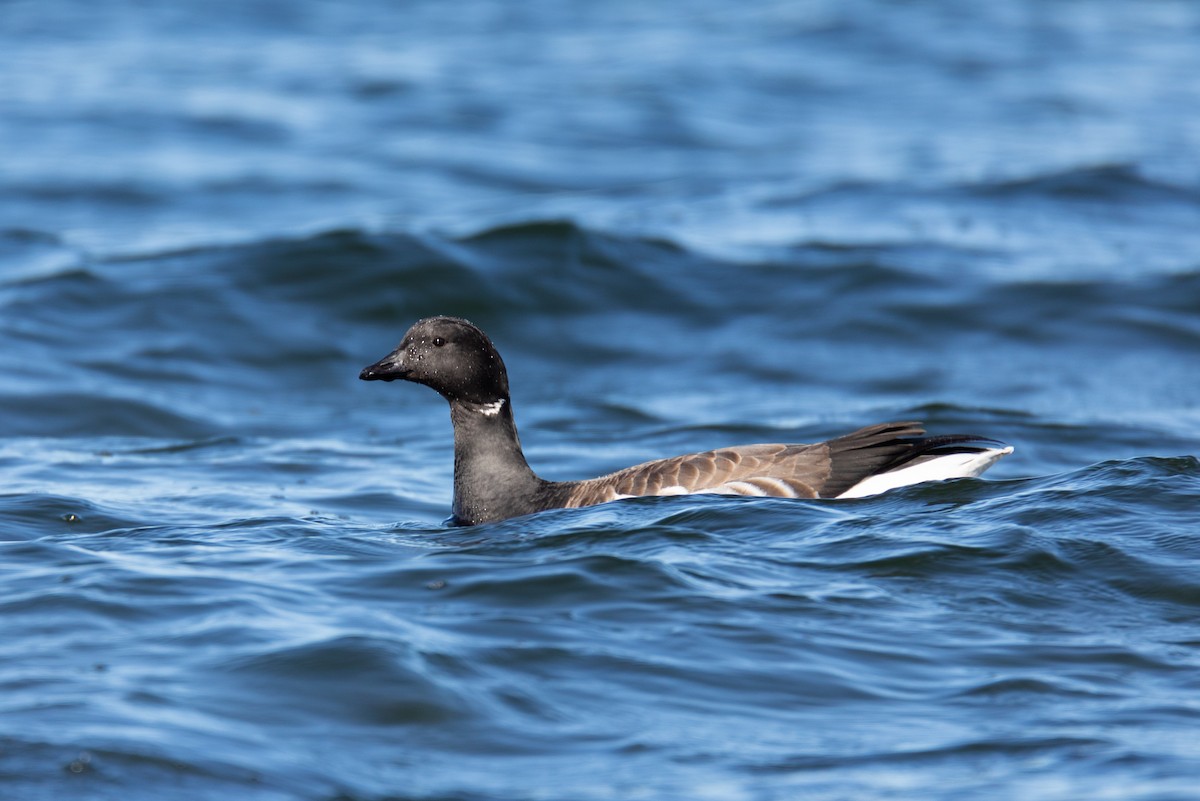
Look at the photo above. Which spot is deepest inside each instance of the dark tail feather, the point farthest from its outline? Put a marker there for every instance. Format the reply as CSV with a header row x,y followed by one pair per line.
x,y
889,446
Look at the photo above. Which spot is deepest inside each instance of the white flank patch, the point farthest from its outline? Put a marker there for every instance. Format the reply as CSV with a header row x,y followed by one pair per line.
x,y
492,409
781,488
742,488
952,465
672,490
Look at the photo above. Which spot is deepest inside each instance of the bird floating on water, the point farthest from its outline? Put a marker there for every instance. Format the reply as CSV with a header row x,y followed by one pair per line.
x,y
492,480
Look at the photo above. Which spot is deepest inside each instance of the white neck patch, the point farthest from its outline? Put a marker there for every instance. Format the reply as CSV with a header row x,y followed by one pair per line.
x,y
492,409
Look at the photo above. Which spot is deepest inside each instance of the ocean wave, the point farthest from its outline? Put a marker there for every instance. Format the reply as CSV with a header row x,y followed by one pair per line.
x,y
511,638
278,299
1117,182
86,414
28,516
371,680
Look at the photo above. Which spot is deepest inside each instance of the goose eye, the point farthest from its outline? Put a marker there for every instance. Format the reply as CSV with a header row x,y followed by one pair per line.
x,y
438,342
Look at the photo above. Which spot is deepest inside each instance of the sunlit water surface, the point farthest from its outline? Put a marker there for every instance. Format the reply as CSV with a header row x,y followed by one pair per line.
x,y
225,568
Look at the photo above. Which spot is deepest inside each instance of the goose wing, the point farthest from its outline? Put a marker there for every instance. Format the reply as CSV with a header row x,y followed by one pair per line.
x,y
821,470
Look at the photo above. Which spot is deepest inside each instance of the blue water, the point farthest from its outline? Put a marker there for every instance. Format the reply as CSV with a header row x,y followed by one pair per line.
x,y
225,571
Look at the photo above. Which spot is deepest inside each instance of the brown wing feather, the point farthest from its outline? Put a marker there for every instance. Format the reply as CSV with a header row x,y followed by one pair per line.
x,y
825,469
782,470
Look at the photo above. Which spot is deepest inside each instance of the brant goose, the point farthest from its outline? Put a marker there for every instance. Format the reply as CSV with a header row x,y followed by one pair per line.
x,y
492,480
